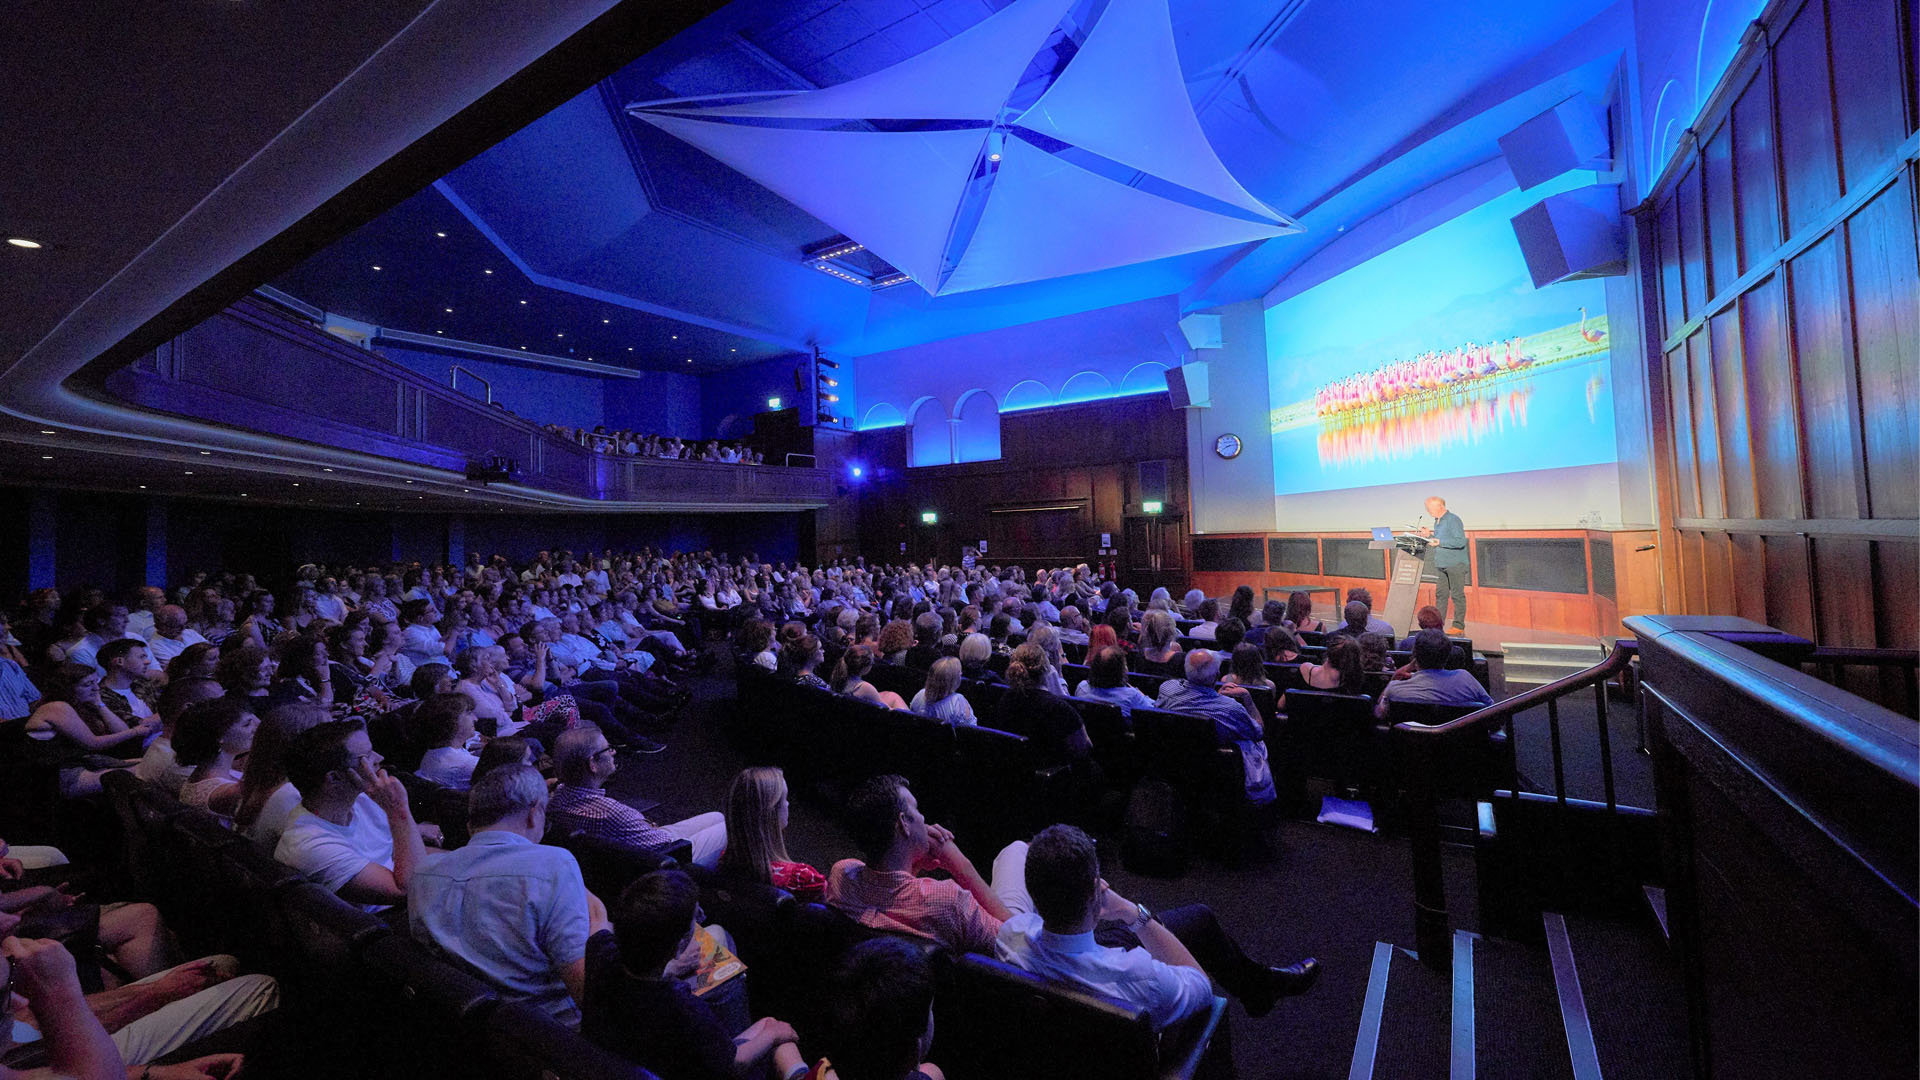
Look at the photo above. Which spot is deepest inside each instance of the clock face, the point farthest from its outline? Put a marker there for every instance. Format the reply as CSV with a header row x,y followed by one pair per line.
x,y
1227,446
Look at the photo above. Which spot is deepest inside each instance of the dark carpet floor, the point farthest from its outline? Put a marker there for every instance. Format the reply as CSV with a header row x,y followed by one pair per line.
x,y
1320,891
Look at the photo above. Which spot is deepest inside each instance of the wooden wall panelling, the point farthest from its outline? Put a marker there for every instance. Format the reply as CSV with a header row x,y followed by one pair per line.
x,y
1749,569
1693,242
1730,411
1789,585
1773,409
1843,590
1686,460
1804,112
1693,585
1706,425
1756,182
1835,482
1868,99
1723,247
1716,570
1672,294
1637,573
1896,584
1885,275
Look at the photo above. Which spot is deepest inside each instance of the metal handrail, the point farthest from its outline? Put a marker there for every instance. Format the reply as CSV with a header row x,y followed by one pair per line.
x,y
1426,744
453,375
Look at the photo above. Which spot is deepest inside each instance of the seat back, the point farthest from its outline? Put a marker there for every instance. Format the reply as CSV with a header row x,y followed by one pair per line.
x,y
143,811
436,1020
437,803
1075,674
524,1043
1470,770
983,696
996,795
1114,746
608,868
999,1021
1327,735
899,678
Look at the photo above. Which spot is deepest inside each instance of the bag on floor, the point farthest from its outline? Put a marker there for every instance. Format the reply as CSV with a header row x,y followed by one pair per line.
x,y
1153,841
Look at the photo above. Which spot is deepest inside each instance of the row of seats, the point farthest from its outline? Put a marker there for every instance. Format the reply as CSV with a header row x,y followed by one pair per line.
x,y
358,995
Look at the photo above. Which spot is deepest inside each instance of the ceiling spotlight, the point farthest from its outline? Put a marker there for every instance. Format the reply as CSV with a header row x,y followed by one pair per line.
x,y
47,431
409,481
733,350
449,311
604,322
523,303
484,272
993,157
23,242
46,457
296,483
629,348
143,487
439,331
206,453
441,235
188,472
689,359
376,268
243,494
676,337
559,335
326,470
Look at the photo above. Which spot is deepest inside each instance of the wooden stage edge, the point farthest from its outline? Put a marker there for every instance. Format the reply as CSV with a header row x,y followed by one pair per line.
x,y
1628,583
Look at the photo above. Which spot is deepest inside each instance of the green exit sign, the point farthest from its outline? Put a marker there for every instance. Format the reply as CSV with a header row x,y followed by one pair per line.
x,y
928,517
1152,507
773,403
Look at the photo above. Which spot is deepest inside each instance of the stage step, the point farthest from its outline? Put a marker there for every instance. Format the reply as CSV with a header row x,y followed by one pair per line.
x,y
1530,664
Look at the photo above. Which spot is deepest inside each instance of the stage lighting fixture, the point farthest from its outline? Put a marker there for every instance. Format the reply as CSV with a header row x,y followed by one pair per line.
x,y
858,472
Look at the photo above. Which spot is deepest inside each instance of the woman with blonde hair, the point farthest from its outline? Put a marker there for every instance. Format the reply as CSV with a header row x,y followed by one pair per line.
x,y
756,836
1160,652
940,698
1048,640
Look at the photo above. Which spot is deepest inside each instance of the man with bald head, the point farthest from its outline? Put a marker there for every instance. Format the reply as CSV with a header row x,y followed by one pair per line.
x,y
1235,718
1449,561
171,635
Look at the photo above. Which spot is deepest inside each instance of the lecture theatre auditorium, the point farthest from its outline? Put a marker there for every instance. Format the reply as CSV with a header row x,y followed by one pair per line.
x,y
960,540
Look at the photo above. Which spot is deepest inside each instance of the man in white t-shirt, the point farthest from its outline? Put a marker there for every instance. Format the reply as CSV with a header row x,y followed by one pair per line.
x,y
147,601
354,832
420,640
171,635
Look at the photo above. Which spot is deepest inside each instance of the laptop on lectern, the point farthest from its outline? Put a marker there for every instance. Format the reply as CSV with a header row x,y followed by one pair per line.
x,y
1382,536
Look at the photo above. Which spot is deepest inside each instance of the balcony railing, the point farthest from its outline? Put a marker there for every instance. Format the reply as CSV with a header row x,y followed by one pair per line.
x,y
253,368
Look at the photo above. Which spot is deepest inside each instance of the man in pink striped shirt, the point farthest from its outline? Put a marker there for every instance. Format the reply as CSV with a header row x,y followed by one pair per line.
x,y
963,913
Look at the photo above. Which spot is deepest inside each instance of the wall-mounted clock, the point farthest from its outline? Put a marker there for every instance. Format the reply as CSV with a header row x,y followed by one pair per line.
x,y
1228,446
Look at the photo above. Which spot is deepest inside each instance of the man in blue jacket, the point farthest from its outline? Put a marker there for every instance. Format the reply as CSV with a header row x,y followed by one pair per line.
x,y
1449,561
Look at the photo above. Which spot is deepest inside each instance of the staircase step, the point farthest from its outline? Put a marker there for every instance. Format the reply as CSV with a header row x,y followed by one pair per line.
x,y
1582,1053
1536,650
1657,901
1636,1001
1516,1021
1416,1026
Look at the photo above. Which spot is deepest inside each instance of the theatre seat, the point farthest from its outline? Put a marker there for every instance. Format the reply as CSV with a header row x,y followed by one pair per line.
x,y
435,1022
999,1021
902,680
1327,736
608,868
523,1043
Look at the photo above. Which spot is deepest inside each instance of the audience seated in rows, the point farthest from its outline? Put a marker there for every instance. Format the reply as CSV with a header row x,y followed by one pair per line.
x,y
1235,719
585,761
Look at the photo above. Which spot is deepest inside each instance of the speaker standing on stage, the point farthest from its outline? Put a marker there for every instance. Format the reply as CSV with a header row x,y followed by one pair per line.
x,y
1449,561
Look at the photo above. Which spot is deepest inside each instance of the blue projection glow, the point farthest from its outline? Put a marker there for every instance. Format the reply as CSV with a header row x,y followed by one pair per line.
x,y
1439,359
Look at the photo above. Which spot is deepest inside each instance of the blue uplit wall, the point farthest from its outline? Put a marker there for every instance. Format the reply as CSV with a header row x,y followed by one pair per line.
x,y
1111,352
1682,48
730,399
658,403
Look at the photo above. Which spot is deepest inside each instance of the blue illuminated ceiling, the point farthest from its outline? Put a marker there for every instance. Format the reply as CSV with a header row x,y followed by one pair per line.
x,y
621,237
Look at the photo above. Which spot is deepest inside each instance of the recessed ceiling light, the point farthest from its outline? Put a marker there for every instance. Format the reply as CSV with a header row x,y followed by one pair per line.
x,y
603,322
296,483
440,234
993,157
439,331
629,348
23,242
143,487
419,496
326,470
484,272
733,350
559,335
188,472
409,481
449,311
206,453
523,348
467,490
47,431
523,302
46,457
243,494
376,268
689,359
676,337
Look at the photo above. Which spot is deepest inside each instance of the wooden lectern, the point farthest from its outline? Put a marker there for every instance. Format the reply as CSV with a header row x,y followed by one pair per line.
x,y
1408,564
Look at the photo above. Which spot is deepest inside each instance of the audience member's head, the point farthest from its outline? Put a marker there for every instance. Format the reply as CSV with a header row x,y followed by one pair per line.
x,y
245,669
755,636
1107,668
181,693
320,759
442,720
975,650
430,679
1373,652
926,628
1026,667
1280,642
943,679
882,813
756,824
1356,614
513,797
205,729
1157,632
123,657
878,1010
1343,656
1299,607
653,918
1241,605
1063,877
1203,667
581,756
1249,664
896,637
1362,594
1431,649
266,767
499,753
1428,618
1228,634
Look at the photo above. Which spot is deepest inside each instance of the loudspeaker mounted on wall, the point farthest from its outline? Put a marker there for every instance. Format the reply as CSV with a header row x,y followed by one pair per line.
x,y
1188,386
1573,235
1202,331
1571,135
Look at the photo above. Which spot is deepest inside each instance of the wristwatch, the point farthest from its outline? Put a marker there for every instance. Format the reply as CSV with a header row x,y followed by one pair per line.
x,y
1144,915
